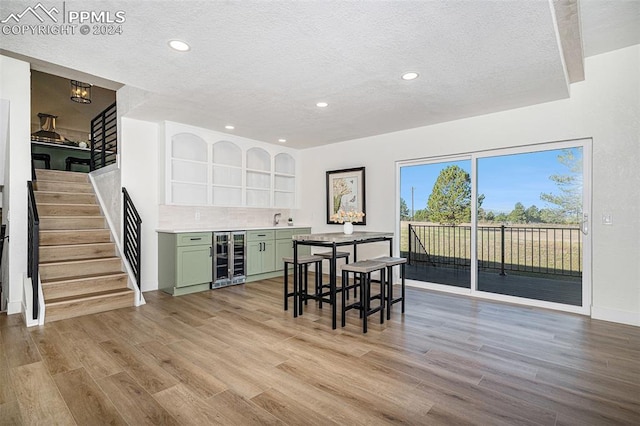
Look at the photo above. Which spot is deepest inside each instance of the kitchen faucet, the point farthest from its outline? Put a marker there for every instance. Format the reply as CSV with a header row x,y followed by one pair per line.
x,y
276,219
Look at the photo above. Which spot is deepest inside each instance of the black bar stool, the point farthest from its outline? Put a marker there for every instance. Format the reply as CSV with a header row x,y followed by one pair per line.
x,y
299,294
46,158
364,269
339,255
75,160
390,262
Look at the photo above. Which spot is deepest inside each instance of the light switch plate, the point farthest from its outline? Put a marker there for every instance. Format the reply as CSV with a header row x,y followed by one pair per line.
x,y
607,219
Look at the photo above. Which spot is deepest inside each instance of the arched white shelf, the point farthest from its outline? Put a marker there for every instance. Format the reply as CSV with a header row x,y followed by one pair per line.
x,y
189,169
258,179
226,188
216,169
284,180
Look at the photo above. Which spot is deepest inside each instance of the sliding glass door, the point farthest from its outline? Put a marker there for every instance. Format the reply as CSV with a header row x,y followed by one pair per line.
x,y
436,221
505,224
530,235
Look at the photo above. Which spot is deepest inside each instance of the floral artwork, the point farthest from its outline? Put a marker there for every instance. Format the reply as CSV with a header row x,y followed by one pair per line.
x,y
345,196
342,216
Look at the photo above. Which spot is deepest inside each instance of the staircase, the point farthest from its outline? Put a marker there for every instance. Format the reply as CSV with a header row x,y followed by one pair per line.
x,y
79,268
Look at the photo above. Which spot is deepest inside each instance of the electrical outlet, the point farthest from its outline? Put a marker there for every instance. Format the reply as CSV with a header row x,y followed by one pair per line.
x,y
607,219
197,215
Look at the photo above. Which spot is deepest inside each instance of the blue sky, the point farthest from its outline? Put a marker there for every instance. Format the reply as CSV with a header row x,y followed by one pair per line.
x,y
504,180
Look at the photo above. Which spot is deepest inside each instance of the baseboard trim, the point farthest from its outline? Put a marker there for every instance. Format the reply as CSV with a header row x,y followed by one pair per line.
x,y
615,315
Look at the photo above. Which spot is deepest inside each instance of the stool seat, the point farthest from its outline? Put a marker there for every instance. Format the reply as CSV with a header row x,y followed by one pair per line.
x,y
328,254
364,266
391,261
300,292
303,259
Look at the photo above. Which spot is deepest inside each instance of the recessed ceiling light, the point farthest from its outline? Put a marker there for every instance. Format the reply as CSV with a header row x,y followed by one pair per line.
x,y
180,46
322,104
282,140
229,127
410,75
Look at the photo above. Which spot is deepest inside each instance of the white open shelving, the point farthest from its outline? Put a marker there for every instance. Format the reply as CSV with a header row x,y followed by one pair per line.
x,y
225,172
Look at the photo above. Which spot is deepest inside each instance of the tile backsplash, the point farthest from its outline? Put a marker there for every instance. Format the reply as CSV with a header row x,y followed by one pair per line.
x,y
194,217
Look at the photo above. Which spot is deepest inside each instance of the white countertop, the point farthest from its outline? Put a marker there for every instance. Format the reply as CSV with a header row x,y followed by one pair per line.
x,y
227,228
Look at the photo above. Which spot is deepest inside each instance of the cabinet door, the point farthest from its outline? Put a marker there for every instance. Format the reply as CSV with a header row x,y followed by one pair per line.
x,y
193,265
269,256
284,248
254,257
261,256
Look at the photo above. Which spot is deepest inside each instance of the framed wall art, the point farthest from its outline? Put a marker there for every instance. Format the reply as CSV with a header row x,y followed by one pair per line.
x,y
346,193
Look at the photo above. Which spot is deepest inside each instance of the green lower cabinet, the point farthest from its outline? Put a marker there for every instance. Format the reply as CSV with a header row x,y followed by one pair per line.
x,y
194,266
261,257
184,262
284,248
266,248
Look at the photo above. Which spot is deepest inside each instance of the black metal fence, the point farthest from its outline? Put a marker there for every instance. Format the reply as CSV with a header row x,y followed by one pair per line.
x,y
33,248
132,235
104,138
538,250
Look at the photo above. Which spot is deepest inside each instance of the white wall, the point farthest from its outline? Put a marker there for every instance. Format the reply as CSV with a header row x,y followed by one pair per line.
x,y
107,184
4,138
139,166
606,107
15,86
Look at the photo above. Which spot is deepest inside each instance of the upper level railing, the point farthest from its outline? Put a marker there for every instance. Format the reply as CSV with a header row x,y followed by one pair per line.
x,y
104,138
529,249
33,248
132,235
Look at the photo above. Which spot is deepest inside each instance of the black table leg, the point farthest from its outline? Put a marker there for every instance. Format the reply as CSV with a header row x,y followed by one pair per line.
x,y
295,279
332,289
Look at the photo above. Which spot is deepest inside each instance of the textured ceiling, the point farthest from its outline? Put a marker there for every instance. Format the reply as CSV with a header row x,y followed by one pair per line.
x,y
262,66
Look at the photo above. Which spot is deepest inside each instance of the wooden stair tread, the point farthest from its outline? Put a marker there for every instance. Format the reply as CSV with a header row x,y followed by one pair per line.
x,y
49,172
95,259
85,259
63,210
66,204
87,245
58,178
63,237
62,231
70,217
91,296
44,191
84,277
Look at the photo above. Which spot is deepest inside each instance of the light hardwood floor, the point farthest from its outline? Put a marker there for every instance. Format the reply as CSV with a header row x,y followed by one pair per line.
x,y
232,356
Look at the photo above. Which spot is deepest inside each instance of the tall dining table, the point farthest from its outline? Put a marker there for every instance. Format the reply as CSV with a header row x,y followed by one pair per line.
x,y
333,240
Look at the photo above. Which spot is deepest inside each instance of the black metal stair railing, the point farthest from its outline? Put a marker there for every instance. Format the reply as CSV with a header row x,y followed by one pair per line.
x,y
33,248
132,235
104,138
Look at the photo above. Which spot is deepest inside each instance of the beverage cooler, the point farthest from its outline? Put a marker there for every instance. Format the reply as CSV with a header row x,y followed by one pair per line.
x,y
229,258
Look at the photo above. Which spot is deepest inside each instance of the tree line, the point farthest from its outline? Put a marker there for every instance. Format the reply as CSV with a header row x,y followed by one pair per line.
x,y
450,200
